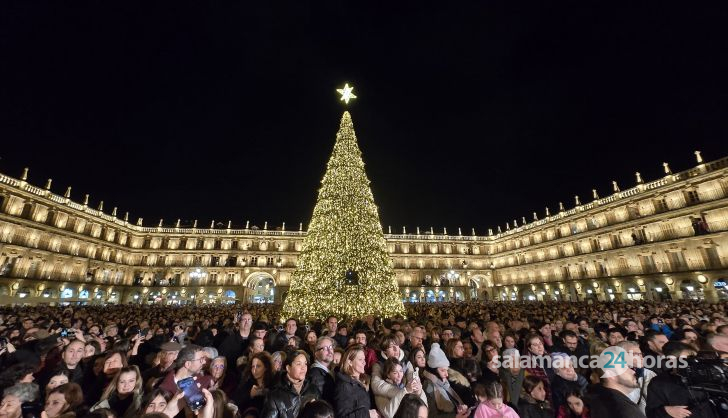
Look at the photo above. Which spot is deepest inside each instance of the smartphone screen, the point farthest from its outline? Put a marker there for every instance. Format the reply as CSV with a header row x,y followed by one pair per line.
x,y
193,395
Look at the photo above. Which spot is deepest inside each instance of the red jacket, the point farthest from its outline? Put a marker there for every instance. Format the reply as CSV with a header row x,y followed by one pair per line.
x,y
170,386
371,357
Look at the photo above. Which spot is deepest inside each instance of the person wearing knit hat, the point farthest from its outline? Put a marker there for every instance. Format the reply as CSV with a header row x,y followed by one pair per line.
x,y
441,396
437,359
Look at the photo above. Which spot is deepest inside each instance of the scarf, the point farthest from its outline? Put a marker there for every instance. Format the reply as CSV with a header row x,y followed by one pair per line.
x,y
446,398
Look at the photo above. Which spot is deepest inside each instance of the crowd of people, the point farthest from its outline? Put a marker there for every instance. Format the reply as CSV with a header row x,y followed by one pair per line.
x,y
449,360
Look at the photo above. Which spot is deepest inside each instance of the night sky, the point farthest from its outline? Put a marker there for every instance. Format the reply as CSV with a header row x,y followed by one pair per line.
x,y
468,114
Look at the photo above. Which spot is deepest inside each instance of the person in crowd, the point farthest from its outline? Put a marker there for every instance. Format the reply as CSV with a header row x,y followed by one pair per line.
x,y
418,360
320,373
490,397
512,375
282,338
653,341
574,407
533,402
537,362
237,342
360,337
309,345
610,398
15,396
667,395
165,362
71,356
331,331
317,409
489,363
256,382
124,394
388,396
64,400
510,339
455,352
293,390
565,380
544,330
17,373
615,336
155,401
390,349
412,406
351,394
570,344
189,363
220,377
57,379
644,376
442,398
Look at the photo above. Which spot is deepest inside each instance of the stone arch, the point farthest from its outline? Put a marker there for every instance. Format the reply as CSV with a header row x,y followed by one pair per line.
x,y
260,287
692,289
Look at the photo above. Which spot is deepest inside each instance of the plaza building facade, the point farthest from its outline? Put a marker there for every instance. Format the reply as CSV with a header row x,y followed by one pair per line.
x,y
656,240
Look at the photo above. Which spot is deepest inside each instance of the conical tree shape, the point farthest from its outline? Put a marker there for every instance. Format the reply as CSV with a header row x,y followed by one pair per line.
x,y
344,235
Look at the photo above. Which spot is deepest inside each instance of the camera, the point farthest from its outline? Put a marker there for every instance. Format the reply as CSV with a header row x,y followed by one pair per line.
x,y
64,332
705,369
3,342
706,377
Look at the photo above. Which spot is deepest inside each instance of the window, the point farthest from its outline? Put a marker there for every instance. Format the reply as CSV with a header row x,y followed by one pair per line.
x,y
254,260
231,261
215,261
269,261
692,197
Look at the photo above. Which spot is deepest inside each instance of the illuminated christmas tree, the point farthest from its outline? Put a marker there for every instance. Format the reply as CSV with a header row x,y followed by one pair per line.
x,y
344,268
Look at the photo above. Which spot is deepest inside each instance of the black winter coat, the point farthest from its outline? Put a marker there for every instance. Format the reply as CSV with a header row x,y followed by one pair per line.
x,y
323,381
351,399
283,401
528,409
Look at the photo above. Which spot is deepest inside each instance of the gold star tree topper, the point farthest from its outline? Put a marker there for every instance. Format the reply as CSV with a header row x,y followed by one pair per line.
x,y
346,93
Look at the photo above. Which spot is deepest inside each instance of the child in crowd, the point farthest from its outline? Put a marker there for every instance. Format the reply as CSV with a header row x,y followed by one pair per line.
x,y
491,402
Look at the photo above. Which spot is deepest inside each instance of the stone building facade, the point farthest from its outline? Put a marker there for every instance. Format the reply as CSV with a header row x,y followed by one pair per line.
x,y
663,239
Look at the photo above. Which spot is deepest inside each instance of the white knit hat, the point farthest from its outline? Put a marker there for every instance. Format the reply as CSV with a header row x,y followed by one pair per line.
x,y
437,359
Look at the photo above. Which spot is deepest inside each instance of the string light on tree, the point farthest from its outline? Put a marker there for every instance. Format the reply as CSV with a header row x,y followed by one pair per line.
x,y
344,268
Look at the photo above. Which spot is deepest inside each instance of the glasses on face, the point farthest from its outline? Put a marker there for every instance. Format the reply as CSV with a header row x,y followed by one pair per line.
x,y
219,367
201,359
326,348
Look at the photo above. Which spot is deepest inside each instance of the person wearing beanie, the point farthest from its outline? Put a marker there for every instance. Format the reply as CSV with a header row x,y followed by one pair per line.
x,y
442,398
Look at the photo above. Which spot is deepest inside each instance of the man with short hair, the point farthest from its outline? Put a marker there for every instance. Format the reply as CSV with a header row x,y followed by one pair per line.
x,y
644,376
611,397
235,344
511,374
289,331
320,374
190,362
332,326
615,336
652,350
370,356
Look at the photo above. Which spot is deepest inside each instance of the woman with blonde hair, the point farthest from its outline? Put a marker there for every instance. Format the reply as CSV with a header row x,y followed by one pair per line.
x,y
124,394
351,396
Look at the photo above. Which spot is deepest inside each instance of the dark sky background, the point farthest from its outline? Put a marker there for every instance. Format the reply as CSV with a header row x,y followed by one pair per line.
x,y
469,114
